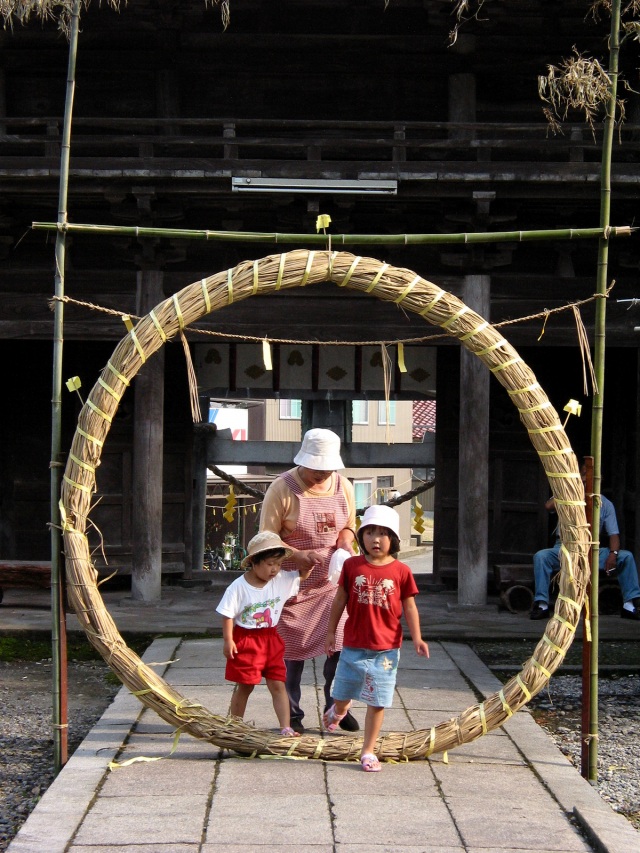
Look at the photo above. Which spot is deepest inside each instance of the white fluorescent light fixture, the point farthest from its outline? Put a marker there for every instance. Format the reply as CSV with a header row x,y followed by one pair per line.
x,y
313,186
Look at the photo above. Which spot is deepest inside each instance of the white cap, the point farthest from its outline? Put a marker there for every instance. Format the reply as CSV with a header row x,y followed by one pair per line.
x,y
264,541
381,516
320,451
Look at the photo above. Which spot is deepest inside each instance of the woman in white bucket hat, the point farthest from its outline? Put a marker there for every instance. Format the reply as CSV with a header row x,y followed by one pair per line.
x,y
312,508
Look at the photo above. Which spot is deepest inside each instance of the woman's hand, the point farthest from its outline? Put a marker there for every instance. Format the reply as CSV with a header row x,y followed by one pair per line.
x,y
345,540
306,560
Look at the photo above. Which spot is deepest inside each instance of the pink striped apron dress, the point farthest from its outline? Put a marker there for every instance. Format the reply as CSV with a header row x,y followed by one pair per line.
x,y
304,619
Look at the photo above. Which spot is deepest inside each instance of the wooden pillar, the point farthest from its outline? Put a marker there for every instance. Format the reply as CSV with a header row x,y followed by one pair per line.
x,y
147,457
462,88
328,414
635,543
473,477
462,98
3,100
199,495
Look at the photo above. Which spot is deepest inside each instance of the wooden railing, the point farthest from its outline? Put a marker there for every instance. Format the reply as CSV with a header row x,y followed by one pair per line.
x,y
241,140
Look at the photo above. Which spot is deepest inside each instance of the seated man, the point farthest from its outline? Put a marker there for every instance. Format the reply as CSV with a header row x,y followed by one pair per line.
x,y
613,561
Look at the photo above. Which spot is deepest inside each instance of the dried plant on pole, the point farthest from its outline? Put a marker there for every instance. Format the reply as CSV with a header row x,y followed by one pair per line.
x,y
21,11
579,83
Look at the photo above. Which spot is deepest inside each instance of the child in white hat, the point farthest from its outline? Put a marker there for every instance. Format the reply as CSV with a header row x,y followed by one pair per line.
x,y
250,609
376,588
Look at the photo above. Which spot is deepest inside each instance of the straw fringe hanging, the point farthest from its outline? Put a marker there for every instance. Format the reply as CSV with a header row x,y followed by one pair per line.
x,y
401,286
585,351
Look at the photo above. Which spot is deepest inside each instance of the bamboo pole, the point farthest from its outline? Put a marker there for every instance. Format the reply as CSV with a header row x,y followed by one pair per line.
x,y
58,627
339,239
585,716
599,364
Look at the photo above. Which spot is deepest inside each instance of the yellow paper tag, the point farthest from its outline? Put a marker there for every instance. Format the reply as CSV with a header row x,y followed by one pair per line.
x,y
323,221
401,365
266,355
74,383
573,407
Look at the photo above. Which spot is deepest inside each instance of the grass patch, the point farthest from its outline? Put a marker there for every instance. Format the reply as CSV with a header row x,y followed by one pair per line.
x,y
37,647
611,652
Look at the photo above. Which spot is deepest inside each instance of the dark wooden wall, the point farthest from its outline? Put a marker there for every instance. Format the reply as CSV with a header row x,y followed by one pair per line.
x,y
519,525
25,451
168,108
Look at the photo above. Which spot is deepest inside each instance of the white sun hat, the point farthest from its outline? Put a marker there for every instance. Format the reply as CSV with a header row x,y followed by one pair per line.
x,y
320,451
381,516
264,541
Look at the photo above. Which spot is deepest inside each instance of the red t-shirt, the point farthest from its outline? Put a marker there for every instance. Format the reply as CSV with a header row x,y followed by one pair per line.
x,y
375,596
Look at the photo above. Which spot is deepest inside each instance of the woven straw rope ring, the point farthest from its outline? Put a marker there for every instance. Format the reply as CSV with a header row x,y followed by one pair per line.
x,y
277,272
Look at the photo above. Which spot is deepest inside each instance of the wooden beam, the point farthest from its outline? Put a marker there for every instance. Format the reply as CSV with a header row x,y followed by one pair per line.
x,y
222,450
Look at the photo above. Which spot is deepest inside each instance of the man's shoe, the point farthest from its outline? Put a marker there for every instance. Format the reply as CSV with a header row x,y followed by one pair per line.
x,y
630,614
296,725
540,611
349,723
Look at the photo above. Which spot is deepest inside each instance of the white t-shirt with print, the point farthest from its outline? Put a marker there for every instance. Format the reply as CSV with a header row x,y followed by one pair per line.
x,y
250,607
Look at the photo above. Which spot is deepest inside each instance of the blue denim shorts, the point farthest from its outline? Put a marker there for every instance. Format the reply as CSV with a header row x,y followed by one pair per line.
x,y
367,675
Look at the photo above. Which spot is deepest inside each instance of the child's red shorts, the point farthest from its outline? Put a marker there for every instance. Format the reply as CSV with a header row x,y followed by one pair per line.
x,y
260,653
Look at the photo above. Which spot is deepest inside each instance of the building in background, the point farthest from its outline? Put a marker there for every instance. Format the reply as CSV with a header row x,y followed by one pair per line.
x,y
178,124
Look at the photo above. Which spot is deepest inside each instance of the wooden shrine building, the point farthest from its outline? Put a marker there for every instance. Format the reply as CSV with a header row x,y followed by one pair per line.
x,y
354,110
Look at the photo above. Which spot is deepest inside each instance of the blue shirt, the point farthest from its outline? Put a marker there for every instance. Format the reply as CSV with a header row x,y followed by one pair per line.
x,y
608,519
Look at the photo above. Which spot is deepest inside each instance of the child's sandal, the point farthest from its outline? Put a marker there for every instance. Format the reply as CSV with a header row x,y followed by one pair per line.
x,y
369,763
331,718
287,731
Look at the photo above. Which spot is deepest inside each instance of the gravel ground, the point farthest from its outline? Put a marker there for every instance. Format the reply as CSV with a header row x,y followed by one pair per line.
x,y
558,711
26,757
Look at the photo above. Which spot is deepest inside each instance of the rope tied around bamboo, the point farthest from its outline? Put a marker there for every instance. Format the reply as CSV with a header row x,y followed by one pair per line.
x,y
437,307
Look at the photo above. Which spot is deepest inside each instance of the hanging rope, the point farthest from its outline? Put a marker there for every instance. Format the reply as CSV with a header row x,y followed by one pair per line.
x,y
387,367
585,351
256,493
196,413
545,314
233,481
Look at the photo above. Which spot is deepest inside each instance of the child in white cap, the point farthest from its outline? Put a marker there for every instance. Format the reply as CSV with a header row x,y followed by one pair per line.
x,y
250,609
376,588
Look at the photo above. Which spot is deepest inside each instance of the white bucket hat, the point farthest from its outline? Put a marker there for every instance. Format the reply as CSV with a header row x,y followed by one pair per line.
x,y
381,516
320,451
264,541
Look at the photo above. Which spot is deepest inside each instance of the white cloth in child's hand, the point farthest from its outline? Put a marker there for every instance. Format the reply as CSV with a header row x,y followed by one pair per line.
x,y
335,565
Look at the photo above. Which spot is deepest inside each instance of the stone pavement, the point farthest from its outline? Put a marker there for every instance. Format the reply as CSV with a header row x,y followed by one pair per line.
x,y
512,790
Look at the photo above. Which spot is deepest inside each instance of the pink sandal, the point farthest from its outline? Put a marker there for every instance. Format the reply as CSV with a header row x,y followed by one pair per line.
x,y
370,763
287,731
331,718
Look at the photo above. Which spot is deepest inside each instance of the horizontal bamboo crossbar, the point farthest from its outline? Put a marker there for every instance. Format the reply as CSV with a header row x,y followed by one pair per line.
x,y
339,239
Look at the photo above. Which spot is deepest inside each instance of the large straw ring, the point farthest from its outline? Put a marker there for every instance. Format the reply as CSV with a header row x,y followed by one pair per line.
x,y
278,272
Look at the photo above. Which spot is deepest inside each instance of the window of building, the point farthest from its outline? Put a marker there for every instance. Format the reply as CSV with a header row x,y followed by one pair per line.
x,y
382,412
362,490
360,411
290,410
